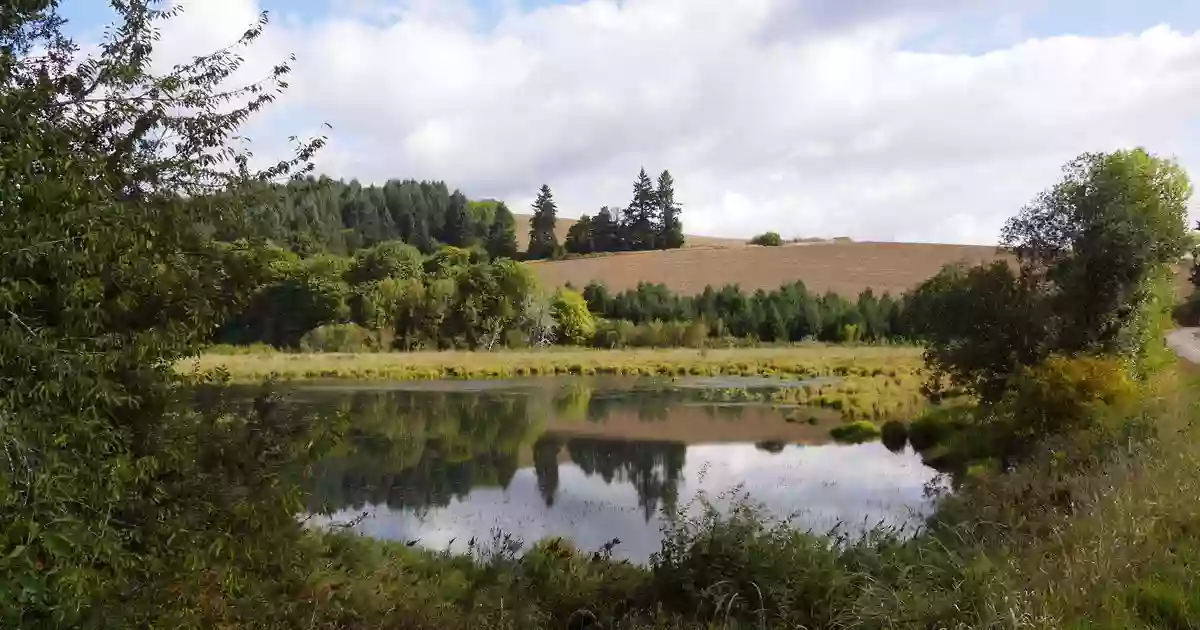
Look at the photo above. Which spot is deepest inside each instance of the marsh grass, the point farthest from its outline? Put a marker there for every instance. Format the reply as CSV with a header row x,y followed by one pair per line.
x,y
873,392
804,361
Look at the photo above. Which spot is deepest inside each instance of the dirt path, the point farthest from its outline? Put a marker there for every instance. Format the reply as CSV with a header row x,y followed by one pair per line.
x,y
1185,343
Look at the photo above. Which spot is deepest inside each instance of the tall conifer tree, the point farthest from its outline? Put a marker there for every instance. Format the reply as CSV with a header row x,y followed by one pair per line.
x,y
542,240
502,236
670,227
640,216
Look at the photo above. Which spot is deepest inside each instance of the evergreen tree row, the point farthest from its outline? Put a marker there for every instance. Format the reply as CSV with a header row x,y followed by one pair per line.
x,y
650,221
789,313
321,214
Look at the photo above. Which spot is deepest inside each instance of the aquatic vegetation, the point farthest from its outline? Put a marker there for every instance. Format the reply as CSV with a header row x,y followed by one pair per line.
x,y
855,432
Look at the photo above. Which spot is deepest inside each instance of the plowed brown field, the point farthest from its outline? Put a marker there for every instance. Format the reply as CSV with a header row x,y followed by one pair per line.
x,y
845,268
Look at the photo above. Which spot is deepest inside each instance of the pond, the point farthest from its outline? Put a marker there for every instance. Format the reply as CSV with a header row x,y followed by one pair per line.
x,y
591,459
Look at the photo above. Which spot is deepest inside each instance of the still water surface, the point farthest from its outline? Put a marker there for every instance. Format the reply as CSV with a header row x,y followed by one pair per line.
x,y
590,459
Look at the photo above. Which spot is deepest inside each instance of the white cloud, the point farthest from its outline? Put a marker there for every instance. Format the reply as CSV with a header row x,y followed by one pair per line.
x,y
841,131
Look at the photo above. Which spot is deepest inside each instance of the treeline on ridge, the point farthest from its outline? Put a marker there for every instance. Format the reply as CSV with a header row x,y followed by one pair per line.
x,y
310,215
317,214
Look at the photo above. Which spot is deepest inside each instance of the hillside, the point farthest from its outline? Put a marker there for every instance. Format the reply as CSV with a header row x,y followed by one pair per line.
x,y
845,268
562,225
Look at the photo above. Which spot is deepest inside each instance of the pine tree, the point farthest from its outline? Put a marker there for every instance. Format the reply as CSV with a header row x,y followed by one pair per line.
x,y
502,237
670,227
542,240
639,220
581,238
459,229
606,235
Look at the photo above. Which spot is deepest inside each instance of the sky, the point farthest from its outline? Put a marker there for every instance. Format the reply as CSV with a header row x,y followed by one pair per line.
x,y
887,120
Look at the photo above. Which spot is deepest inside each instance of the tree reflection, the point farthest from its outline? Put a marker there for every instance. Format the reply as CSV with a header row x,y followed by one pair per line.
x,y
422,449
654,469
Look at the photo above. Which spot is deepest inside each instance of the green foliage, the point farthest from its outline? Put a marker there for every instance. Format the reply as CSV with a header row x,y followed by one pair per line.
x,y
938,425
980,324
575,323
119,505
789,313
894,435
1098,238
640,219
1095,253
670,227
581,237
747,567
1188,313
390,259
502,235
339,338
652,221
1061,396
768,239
1166,605
855,432
543,243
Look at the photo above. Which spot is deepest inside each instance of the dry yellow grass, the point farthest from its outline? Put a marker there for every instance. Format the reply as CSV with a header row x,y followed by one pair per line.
x,y
846,268
806,360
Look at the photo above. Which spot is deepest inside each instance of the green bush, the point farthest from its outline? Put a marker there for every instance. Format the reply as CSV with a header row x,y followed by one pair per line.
x,y
1063,395
768,239
936,426
747,567
895,435
340,338
575,323
855,432
515,339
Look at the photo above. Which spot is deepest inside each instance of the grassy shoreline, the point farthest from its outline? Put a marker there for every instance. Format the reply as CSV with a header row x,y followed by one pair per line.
x,y
798,361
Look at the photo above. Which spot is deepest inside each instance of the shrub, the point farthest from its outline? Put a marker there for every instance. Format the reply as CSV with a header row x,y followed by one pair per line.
x,y
1188,313
937,426
855,432
514,338
745,566
895,435
768,239
614,333
696,334
339,338
575,323
1061,396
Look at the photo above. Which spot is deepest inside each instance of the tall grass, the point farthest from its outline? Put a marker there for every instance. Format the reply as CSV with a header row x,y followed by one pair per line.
x,y
797,361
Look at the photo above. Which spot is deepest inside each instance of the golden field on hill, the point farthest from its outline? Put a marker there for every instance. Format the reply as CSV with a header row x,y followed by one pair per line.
x,y
846,268
562,225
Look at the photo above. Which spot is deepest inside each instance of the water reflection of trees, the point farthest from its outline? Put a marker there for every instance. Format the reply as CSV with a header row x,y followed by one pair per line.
x,y
654,469
421,449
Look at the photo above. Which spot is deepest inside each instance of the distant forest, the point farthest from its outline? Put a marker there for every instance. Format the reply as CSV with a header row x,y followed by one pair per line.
x,y
413,265
322,215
